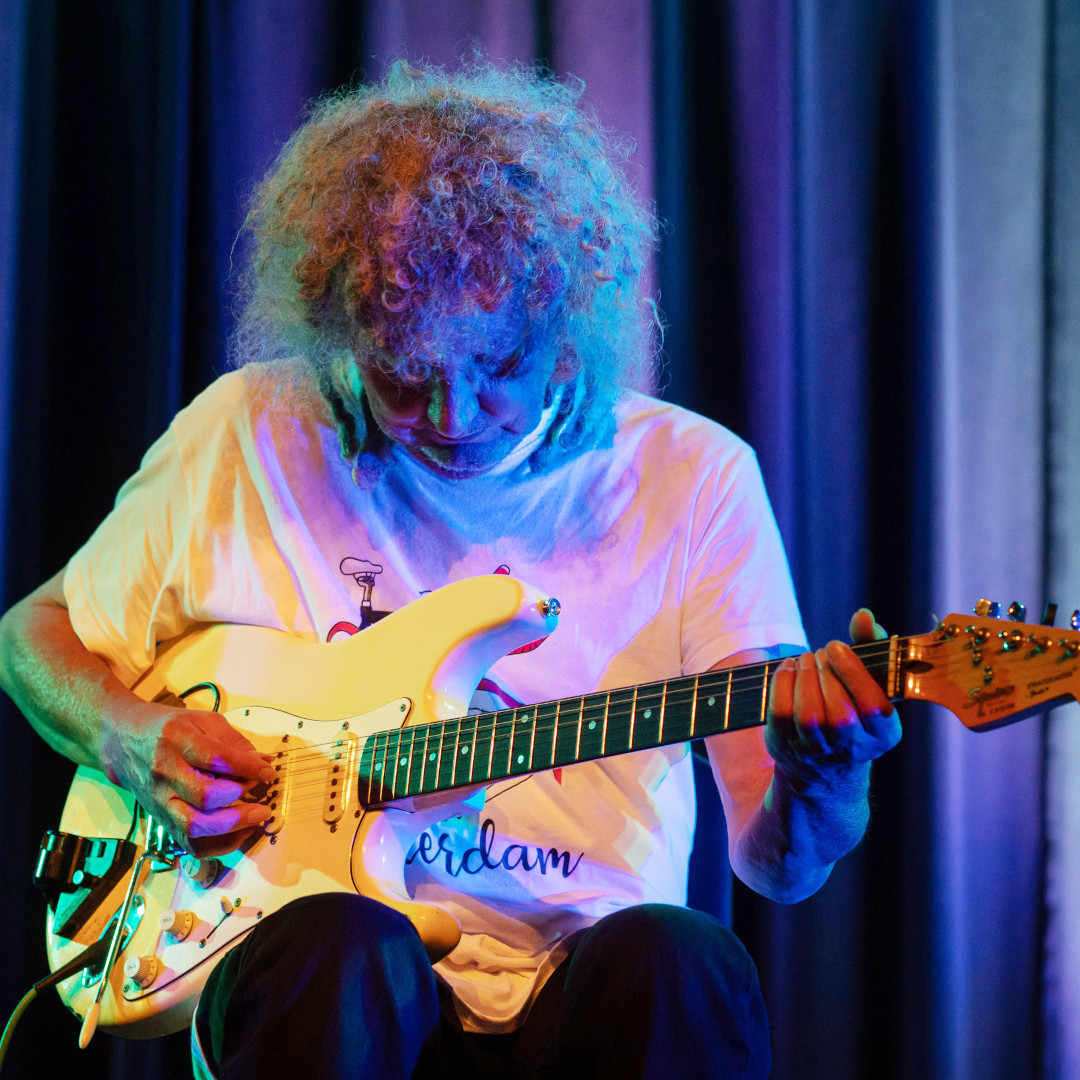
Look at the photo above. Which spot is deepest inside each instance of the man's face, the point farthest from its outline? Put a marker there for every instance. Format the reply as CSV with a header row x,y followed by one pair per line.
x,y
483,394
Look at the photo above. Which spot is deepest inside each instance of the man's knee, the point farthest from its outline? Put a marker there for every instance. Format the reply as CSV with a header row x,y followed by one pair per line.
x,y
331,935
662,934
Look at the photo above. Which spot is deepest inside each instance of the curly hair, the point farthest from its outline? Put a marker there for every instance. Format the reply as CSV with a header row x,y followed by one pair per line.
x,y
402,202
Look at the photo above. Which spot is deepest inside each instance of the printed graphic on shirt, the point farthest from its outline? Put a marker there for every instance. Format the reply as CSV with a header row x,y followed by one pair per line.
x,y
363,573
442,846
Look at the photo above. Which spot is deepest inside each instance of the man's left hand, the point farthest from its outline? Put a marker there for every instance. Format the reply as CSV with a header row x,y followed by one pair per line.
x,y
826,711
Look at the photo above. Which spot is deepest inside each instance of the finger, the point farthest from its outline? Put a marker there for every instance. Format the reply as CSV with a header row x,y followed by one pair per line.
x,y
197,823
809,714
221,750
782,688
863,627
866,695
840,712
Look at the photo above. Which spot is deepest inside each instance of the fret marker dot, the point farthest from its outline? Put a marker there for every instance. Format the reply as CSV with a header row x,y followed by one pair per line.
x,y
464,749
431,757
378,766
648,713
712,701
592,724
521,758
402,761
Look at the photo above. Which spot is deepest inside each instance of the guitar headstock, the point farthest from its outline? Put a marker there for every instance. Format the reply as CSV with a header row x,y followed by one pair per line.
x,y
991,672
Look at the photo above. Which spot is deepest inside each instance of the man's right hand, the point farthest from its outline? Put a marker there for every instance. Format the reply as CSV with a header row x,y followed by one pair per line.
x,y
191,770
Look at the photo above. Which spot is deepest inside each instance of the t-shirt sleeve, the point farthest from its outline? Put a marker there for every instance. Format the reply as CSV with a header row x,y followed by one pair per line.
x,y
738,593
124,587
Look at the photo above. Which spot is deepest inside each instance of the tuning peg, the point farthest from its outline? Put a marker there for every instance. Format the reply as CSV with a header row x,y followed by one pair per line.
x,y
1017,611
988,609
1074,622
1049,614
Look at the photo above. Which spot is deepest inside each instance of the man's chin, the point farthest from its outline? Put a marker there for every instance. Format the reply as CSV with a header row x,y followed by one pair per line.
x,y
456,466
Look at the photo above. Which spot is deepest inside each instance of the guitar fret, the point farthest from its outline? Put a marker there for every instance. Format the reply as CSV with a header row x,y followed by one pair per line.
x,y
620,715
590,727
424,759
367,760
472,749
693,706
567,733
678,710
504,729
518,761
555,731
441,779
607,716
764,690
380,768
544,728
412,754
463,749
580,718
485,730
386,773
645,735
663,710
491,750
727,702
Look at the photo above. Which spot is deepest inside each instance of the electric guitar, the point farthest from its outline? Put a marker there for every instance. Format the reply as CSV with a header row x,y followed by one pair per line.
x,y
370,750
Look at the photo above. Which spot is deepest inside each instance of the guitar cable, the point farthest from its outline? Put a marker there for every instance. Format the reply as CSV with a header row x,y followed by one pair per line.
x,y
90,955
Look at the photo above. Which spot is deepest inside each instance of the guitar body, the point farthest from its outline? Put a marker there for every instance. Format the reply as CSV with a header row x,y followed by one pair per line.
x,y
313,704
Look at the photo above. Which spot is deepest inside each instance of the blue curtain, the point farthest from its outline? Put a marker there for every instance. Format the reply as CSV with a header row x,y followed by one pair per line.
x,y
870,269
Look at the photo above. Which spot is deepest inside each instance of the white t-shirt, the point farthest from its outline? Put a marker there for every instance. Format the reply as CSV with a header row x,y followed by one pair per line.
x,y
662,548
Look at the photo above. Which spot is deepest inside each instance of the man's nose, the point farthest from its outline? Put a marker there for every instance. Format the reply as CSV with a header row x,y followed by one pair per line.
x,y
452,406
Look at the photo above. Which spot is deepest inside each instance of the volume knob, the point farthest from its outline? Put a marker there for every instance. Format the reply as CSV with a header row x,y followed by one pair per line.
x,y
142,970
204,872
177,924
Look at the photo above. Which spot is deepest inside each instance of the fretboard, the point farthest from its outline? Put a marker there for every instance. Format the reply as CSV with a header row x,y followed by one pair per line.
x,y
429,758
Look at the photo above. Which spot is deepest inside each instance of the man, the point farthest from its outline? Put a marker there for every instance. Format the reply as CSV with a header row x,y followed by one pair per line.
x,y
452,265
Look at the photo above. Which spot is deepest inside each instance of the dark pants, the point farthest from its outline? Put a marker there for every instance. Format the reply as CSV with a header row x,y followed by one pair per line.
x,y
339,986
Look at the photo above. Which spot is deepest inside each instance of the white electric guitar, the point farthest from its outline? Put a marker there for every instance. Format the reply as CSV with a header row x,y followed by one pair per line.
x,y
371,746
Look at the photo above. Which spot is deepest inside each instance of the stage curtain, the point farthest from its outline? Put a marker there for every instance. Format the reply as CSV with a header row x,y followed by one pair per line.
x,y
870,269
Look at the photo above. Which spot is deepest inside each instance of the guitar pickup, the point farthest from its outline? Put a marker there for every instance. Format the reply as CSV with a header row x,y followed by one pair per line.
x,y
77,873
340,770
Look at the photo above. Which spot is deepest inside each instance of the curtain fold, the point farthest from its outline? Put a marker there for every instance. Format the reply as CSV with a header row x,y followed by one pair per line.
x,y
870,270
1060,984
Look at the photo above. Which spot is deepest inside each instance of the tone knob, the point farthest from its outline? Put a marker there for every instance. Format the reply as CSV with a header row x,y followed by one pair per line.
x,y
177,924
204,872
142,970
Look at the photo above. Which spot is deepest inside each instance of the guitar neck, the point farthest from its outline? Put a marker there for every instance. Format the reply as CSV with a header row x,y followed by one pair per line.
x,y
430,758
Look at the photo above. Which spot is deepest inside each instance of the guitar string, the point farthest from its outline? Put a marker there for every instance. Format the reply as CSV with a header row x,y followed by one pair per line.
x,y
407,739
504,723
454,728
707,681
504,739
509,721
